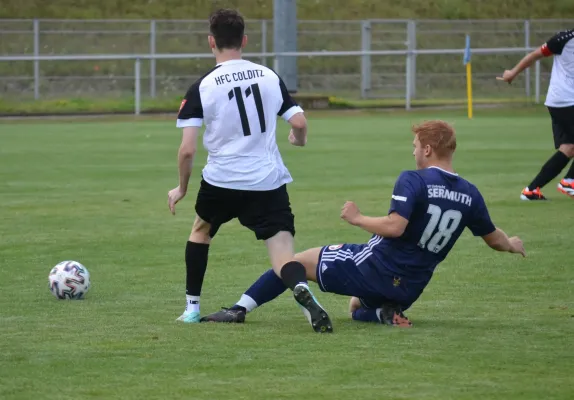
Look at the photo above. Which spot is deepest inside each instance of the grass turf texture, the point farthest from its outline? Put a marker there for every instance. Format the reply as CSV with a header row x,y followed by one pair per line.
x,y
125,105
490,325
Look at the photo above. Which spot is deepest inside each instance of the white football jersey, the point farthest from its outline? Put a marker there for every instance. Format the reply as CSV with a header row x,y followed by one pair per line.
x,y
239,101
561,88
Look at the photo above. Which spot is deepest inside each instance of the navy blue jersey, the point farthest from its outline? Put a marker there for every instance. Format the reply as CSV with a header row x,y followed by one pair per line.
x,y
438,205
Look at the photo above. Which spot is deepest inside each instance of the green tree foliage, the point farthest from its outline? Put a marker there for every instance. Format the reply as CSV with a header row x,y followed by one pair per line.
x,y
307,9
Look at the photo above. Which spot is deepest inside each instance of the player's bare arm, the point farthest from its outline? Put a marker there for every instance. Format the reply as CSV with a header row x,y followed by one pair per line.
x,y
185,156
389,226
499,240
298,134
526,62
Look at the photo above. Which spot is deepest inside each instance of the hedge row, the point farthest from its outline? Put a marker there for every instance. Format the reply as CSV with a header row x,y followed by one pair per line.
x,y
307,9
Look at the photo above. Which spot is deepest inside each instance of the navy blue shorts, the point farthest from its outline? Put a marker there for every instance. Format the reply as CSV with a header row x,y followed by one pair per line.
x,y
351,270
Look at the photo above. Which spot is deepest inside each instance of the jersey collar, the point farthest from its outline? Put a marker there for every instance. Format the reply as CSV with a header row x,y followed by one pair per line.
x,y
231,62
445,171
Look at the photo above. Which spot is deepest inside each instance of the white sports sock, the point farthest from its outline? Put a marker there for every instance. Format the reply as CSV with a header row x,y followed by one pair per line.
x,y
247,302
191,303
378,311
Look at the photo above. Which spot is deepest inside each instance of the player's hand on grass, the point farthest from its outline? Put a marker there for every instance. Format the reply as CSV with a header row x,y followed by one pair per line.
x,y
508,76
351,213
354,305
173,197
293,140
517,246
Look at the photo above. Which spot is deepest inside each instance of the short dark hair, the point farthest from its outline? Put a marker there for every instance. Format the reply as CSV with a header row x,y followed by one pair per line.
x,y
227,27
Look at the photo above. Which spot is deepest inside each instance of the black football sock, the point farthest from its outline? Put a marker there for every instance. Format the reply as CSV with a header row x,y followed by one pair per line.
x,y
293,273
570,173
196,263
550,170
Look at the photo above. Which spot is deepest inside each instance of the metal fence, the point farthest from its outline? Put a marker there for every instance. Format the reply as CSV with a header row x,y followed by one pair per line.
x,y
369,59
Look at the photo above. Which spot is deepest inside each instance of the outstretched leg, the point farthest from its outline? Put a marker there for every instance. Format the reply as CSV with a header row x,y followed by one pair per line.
x,y
549,171
563,132
270,285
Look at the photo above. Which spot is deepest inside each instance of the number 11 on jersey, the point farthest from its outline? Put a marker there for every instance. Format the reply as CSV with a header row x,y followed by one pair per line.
x,y
238,95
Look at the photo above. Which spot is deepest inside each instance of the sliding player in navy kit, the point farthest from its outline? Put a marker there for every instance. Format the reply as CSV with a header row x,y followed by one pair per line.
x,y
430,207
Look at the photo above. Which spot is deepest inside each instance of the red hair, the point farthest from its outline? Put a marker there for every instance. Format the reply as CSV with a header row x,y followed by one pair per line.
x,y
439,135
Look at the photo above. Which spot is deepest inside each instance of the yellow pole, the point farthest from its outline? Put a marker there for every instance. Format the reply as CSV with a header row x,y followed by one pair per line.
x,y
469,88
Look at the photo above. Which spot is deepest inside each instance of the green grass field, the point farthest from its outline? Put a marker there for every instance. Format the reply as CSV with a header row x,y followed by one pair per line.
x,y
489,326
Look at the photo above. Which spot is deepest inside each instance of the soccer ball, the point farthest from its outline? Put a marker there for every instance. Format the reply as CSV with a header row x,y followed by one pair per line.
x,y
69,280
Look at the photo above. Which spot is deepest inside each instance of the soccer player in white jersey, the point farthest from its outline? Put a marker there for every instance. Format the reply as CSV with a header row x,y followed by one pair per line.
x,y
560,103
245,178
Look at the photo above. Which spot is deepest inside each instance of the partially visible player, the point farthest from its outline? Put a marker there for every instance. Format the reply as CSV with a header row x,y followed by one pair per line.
x,y
430,208
560,103
245,176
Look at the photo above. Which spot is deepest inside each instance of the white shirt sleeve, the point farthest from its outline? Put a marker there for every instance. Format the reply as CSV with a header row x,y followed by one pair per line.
x,y
290,112
191,122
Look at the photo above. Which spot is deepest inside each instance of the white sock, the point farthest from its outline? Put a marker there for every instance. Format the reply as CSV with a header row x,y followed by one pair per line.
x,y
191,303
378,311
247,302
